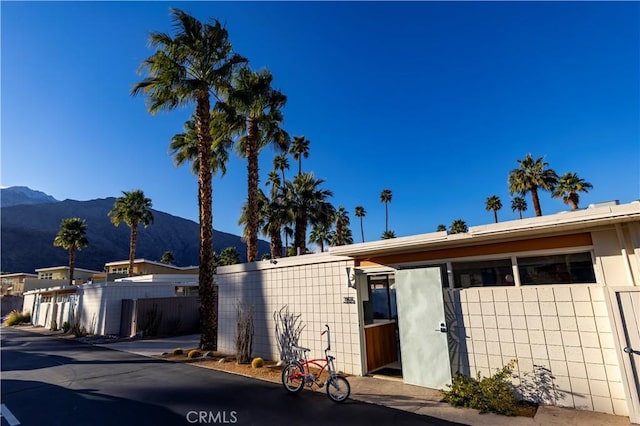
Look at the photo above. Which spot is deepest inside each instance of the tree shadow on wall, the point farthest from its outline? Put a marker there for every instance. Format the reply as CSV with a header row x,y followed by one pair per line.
x,y
538,386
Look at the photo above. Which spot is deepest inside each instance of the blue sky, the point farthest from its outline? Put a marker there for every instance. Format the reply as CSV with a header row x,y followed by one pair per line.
x,y
435,101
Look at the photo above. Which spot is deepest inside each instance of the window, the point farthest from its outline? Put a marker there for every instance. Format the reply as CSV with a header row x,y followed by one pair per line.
x,y
46,275
483,273
557,269
382,298
120,270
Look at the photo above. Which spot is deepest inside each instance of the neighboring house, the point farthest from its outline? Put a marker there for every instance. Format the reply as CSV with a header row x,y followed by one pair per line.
x,y
559,293
80,276
14,283
97,306
147,267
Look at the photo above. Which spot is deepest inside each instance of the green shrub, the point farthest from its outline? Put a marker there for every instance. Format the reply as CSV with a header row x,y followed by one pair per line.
x,y
488,394
194,353
17,317
66,326
178,351
257,363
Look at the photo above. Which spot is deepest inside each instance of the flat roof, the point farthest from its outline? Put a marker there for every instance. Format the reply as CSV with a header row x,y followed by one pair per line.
x,y
55,268
567,221
19,274
151,262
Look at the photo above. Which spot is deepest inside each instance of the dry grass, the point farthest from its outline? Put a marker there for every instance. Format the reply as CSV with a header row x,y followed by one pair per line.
x,y
270,372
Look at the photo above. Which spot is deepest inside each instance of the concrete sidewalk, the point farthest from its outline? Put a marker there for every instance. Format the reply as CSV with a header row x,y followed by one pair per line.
x,y
394,393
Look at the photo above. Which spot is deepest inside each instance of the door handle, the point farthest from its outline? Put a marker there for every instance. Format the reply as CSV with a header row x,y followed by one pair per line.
x,y
631,351
443,328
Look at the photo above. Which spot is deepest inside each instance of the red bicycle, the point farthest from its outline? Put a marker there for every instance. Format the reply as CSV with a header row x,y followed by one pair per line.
x,y
298,373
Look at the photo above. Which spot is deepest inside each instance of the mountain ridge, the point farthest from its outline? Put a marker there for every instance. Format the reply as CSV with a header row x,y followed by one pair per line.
x,y
28,231
21,195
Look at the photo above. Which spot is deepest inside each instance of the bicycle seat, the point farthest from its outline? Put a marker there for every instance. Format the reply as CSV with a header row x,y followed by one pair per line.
x,y
300,348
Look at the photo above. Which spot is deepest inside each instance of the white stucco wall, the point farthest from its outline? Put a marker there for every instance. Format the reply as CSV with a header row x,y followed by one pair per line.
x,y
100,304
312,285
563,328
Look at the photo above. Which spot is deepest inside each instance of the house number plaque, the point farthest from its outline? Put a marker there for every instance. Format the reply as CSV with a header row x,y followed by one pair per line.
x,y
349,300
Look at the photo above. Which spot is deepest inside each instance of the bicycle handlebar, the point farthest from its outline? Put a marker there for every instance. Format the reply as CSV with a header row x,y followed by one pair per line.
x,y
328,331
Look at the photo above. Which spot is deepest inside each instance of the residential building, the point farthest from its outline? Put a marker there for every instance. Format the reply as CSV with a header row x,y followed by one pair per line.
x,y
80,275
559,293
14,283
148,267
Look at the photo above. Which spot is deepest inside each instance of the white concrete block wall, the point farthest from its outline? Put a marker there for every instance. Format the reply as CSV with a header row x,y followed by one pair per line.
x,y
314,288
562,328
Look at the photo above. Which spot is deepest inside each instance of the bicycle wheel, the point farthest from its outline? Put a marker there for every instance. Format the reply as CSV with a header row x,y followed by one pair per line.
x,y
293,377
338,389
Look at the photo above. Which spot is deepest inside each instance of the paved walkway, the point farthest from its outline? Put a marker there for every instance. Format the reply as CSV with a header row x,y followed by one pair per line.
x,y
394,393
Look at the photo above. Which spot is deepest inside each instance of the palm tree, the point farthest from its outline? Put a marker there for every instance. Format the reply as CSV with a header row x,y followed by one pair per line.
x,y
441,227
459,226
184,146
309,204
568,187
188,68
385,197
342,231
387,235
134,209
299,148
346,238
254,111
281,162
360,213
493,203
72,236
320,235
532,175
519,204
167,257
229,256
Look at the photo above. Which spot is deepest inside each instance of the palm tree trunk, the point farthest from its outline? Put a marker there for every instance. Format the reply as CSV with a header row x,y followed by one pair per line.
x,y
301,233
573,200
132,247
286,244
495,215
362,230
206,288
520,211
386,216
72,263
300,165
276,244
536,201
253,180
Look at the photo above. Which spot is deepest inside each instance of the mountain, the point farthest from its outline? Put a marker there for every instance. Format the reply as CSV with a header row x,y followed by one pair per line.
x,y
20,195
28,232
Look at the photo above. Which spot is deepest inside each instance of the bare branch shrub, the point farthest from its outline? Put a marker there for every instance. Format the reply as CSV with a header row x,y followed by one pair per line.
x,y
244,337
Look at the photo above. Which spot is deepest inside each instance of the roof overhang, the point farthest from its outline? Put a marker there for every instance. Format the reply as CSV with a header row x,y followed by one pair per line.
x,y
556,224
